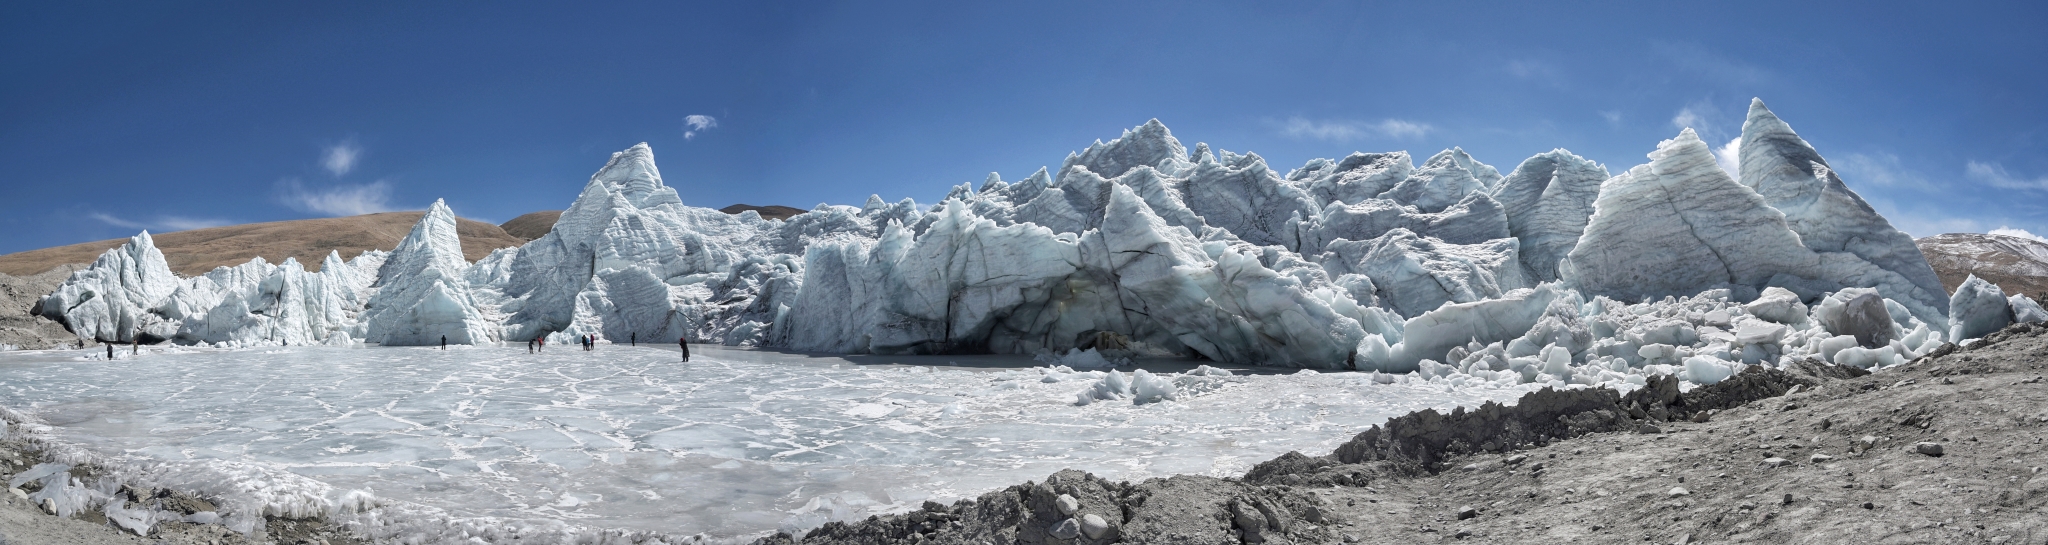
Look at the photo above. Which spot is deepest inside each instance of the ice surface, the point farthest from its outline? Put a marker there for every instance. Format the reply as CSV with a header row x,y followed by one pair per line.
x,y
734,442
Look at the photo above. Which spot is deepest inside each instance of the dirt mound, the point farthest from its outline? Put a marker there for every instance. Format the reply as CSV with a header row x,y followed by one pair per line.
x,y
772,212
532,225
194,252
18,294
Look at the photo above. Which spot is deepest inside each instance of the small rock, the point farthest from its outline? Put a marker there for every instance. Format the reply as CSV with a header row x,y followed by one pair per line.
x,y
1788,499
1471,467
1067,504
1067,529
18,493
1930,449
1350,538
1094,526
1647,429
1677,491
1819,458
1866,442
1776,462
1868,505
1462,534
1467,512
1516,459
49,506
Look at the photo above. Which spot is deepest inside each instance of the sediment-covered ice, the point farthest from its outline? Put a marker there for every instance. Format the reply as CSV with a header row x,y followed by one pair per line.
x,y
1365,262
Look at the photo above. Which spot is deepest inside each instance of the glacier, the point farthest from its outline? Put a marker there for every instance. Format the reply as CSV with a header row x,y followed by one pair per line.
x,y
1556,271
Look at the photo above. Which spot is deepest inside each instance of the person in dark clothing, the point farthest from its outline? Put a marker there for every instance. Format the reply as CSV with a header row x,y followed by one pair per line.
x,y
444,342
110,351
529,346
540,344
684,343
634,340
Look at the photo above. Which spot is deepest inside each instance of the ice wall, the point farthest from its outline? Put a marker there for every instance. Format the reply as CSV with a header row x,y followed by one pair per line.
x,y
1555,271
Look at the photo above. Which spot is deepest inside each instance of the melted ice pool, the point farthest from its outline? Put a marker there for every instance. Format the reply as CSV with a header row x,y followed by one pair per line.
x,y
736,442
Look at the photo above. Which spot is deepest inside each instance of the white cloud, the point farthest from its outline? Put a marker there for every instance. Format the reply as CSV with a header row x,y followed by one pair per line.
x,y
341,158
1689,119
341,200
1995,174
1729,157
162,224
697,124
1613,117
1881,169
2017,232
1299,127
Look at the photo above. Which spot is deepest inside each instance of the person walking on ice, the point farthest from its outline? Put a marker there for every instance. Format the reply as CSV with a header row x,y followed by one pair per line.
x,y
684,343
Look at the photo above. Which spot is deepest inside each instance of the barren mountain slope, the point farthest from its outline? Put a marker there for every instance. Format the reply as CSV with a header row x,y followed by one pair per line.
x,y
2016,265
197,251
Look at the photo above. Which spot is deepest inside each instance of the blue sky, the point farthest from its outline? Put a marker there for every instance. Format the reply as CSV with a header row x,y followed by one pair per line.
x,y
117,117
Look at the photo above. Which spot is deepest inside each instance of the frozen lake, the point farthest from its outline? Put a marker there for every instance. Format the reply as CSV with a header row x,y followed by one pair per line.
x,y
736,442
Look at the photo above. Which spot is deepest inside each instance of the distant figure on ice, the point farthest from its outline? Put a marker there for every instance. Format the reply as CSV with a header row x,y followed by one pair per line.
x,y
540,344
634,340
444,342
684,343
529,346
110,351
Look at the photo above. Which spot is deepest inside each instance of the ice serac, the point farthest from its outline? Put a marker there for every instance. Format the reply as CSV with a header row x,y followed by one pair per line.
x,y
115,299
1678,226
1216,300
1444,180
1548,199
1793,178
422,294
1977,309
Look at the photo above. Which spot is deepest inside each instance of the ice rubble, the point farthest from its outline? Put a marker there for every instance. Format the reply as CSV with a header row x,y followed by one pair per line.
x,y
1555,271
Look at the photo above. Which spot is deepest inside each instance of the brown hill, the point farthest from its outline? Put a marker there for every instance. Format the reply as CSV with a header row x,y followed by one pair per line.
x,y
772,212
197,251
533,225
537,224
2016,265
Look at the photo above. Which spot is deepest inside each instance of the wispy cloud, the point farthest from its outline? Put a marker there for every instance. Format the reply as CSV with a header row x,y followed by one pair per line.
x,y
161,224
1336,130
1705,63
340,200
697,124
2017,232
341,158
1613,117
1995,174
1878,169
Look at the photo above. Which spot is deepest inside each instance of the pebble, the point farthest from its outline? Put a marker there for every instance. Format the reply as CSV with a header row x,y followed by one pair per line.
x,y
1350,538
1788,499
1868,505
1776,462
1930,449
1067,504
1866,442
1647,429
1516,459
49,506
18,493
1819,458
1094,526
1677,491
1067,529
1467,512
